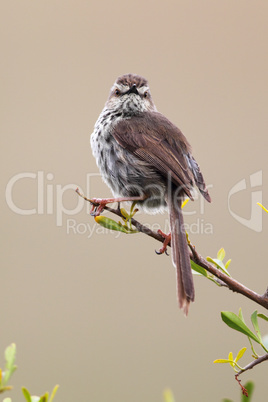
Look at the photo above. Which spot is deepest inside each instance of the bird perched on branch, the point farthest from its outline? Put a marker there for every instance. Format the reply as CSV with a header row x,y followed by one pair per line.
x,y
143,157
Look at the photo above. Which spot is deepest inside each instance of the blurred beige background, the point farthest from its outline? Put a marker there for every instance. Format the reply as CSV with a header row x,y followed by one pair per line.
x,y
92,312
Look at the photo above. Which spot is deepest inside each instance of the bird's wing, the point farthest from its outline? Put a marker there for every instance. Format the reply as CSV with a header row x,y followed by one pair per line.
x,y
198,178
154,139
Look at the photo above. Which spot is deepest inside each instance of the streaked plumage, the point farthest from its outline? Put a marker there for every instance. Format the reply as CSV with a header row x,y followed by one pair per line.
x,y
141,153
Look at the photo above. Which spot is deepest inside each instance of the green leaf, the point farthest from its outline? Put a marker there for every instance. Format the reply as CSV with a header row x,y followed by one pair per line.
x,y
222,361
254,320
250,388
43,398
53,393
10,354
8,374
221,254
26,394
240,354
263,316
231,359
168,396
227,264
7,400
109,223
132,210
265,341
240,315
233,321
198,269
219,264
214,281
124,213
227,400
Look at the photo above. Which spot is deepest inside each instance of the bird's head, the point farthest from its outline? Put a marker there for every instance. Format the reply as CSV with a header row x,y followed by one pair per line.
x,y
131,94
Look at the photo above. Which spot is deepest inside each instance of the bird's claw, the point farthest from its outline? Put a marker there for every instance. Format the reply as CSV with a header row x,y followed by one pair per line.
x,y
167,238
159,252
97,209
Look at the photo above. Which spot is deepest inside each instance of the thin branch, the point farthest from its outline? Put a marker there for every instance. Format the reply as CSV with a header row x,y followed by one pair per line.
x,y
223,279
243,389
252,364
141,228
232,284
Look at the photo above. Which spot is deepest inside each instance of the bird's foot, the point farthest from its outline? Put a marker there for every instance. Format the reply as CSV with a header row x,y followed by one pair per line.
x,y
98,204
167,238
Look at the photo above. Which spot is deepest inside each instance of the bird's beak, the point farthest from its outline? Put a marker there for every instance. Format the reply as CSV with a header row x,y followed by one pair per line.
x,y
133,90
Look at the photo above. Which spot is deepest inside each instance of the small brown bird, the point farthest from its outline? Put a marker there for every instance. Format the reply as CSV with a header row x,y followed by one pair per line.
x,y
144,157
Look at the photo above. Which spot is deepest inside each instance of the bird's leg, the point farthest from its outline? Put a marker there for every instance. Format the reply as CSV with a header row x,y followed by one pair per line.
x,y
167,238
102,202
118,206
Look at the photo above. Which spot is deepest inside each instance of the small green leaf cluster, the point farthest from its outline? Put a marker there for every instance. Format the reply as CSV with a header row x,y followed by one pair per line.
x,y
232,361
238,323
125,227
10,367
218,262
44,398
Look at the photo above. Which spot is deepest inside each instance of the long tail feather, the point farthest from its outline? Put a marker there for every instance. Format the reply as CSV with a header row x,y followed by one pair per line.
x,y
180,255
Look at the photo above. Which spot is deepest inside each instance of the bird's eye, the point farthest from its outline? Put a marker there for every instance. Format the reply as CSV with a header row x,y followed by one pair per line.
x,y
117,92
145,94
